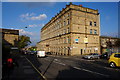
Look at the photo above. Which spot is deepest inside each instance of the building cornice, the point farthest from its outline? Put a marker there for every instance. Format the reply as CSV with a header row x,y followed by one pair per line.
x,y
67,34
65,10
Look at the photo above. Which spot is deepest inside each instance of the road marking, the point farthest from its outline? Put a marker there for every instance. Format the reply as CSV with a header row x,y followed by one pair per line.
x,y
56,59
91,71
111,69
36,69
83,59
59,56
46,59
105,67
59,63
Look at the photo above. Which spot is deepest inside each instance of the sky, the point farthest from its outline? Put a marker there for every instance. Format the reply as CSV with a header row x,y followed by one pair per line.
x,y
34,15
60,0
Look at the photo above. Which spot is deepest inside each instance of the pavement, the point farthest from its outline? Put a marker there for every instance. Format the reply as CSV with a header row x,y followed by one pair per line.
x,y
23,71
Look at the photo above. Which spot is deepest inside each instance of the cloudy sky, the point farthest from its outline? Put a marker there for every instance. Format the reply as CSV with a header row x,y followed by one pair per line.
x,y
34,15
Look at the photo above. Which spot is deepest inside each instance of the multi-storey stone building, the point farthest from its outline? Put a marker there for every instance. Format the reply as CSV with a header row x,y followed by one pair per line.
x,y
73,31
10,37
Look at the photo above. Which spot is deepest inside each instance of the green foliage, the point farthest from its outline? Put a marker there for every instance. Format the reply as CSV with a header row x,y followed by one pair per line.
x,y
33,48
23,41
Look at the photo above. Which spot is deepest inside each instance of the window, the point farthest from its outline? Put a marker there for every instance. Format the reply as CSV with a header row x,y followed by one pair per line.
x,y
90,31
90,23
68,30
68,39
117,55
95,24
68,21
60,25
64,40
68,14
64,23
64,17
64,31
95,31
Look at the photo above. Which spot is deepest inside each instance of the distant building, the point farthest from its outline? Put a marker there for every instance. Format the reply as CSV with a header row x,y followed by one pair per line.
x,y
73,31
9,37
103,43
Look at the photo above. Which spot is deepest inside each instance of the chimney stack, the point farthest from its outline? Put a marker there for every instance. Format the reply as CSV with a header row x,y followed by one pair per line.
x,y
80,5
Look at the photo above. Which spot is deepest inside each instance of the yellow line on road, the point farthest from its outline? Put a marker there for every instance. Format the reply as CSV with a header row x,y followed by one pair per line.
x,y
36,69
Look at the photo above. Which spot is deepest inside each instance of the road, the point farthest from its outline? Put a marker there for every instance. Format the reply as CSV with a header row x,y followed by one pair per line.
x,y
57,67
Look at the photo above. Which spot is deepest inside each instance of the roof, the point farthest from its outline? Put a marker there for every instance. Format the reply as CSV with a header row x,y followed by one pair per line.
x,y
109,37
9,31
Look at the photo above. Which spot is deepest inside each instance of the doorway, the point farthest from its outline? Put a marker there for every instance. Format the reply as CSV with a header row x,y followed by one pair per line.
x,y
81,51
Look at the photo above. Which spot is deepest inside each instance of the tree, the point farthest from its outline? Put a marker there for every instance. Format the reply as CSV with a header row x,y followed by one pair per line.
x,y
23,41
33,48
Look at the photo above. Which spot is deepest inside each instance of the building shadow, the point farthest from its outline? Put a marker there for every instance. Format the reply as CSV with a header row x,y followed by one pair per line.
x,y
74,74
5,49
34,60
5,55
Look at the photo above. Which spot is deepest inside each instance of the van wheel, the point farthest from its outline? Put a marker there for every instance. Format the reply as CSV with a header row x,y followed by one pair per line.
x,y
112,64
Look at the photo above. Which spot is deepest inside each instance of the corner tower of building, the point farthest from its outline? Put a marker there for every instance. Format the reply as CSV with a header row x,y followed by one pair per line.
x,y
73,31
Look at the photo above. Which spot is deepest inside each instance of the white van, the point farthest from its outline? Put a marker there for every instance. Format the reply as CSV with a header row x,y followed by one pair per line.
x,y
40,53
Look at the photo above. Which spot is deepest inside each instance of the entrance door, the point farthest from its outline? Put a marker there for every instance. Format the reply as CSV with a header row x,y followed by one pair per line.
x,y
81,51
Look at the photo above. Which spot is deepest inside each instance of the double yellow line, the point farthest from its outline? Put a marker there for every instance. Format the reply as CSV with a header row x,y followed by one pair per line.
x,y
36,69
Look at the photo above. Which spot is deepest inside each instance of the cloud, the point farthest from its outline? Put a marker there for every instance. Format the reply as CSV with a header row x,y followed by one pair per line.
x,y
23,32
40,17
36,25
31,16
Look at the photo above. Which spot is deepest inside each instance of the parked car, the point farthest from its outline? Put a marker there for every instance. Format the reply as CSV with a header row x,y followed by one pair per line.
x,y
28,51
92,56
114,60
48,53
32,52
104,56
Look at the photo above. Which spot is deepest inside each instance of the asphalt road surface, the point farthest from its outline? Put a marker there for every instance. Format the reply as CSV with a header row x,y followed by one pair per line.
x,y
56,67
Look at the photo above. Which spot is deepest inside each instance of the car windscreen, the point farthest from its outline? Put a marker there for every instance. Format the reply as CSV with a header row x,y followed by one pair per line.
x,y
117,55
